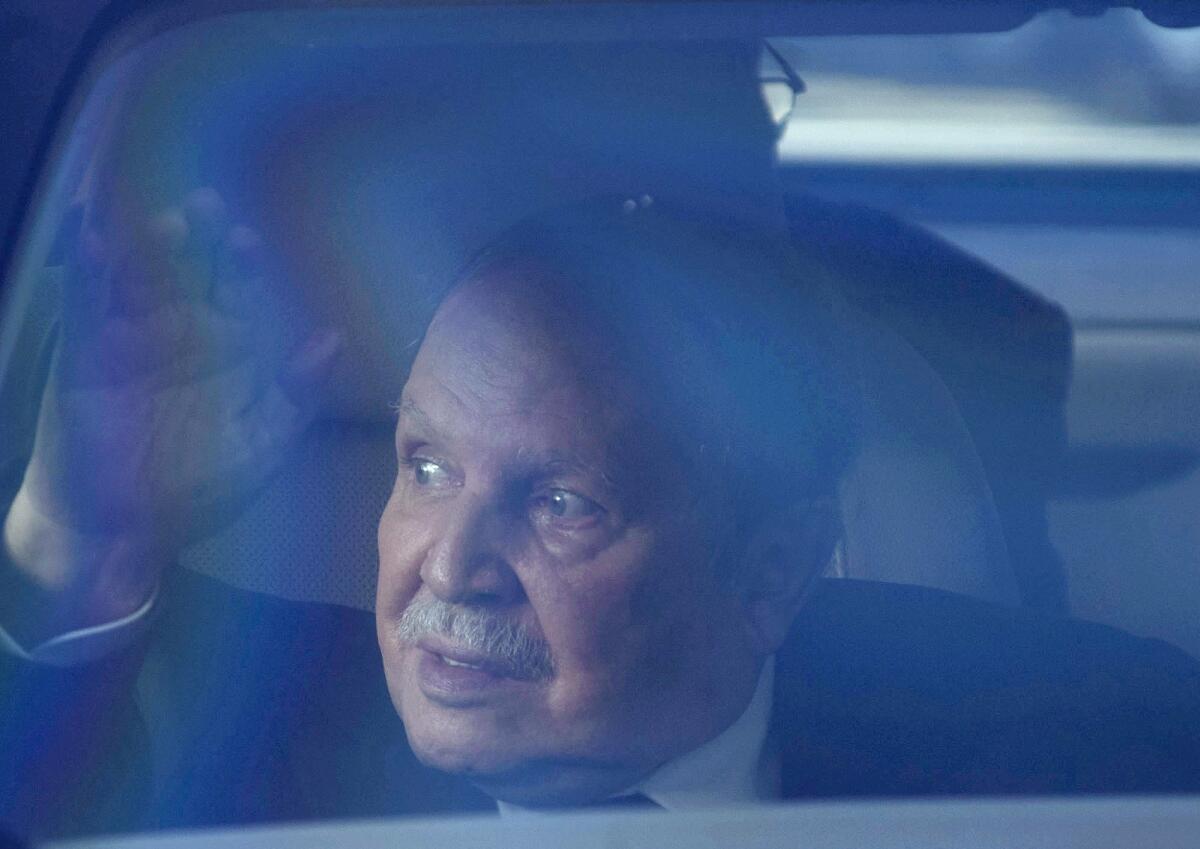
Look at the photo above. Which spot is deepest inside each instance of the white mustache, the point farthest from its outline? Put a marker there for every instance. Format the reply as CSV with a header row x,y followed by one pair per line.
x,y
503,641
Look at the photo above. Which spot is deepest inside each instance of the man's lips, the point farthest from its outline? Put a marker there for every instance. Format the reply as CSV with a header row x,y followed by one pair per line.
x,y
455,677
457,657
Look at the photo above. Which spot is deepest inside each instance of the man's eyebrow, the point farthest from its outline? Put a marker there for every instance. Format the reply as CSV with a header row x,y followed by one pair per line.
x,y
556,463
553,462
408,412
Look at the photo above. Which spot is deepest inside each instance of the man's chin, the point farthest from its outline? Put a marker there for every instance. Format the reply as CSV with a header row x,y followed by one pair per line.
x,y
455,740
460,757
482,744
533,782
511,774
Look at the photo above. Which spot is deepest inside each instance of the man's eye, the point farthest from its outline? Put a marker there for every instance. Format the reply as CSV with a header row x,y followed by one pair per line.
x,y
427,472
564,504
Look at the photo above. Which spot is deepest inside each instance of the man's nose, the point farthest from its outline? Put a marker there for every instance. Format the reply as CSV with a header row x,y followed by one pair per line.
x,y
466,563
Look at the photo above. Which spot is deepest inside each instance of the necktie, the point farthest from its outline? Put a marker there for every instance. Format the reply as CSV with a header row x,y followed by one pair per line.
x,y
629,800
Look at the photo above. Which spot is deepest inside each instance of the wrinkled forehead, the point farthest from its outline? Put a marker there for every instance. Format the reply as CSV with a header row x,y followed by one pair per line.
x,y
511,337
513,374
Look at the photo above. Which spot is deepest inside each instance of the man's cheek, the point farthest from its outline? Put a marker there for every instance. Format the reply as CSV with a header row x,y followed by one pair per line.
x,y
674,615
588,628
606,660
399,565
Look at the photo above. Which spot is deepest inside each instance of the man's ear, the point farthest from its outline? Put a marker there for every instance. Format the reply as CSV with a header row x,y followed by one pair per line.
x,y
786,554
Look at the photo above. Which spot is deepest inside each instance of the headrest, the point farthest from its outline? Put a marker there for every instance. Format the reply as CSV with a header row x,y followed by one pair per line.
x,y
1003,352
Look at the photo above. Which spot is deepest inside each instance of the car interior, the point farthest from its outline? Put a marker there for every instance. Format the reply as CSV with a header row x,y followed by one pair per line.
x,y
1079,235
1007,199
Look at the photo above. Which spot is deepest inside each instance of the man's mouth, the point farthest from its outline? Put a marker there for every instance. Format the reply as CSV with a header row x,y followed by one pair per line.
x,y
459,657
456,677
450,662
465,639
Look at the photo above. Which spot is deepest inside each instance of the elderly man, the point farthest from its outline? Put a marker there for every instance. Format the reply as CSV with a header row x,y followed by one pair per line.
x,y
598,582
617,470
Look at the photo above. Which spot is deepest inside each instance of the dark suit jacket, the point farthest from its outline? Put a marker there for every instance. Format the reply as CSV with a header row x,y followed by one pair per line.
x,y
241,708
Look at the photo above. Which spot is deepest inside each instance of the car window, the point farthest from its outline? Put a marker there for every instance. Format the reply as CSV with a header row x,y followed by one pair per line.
x,y
1003,223
1032,154
1059,150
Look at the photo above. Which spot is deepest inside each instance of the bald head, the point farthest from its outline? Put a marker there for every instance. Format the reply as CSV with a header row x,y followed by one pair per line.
x,y
707,324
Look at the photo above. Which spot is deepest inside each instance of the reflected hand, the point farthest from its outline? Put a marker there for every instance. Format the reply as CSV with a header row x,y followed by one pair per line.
x,y
171,401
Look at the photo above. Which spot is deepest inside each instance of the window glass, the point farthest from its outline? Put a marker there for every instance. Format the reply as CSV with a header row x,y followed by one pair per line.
x,y
1007,222
1064,151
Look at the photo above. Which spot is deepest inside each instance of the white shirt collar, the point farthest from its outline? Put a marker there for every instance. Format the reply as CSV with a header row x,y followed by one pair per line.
x,y
731,768
735,767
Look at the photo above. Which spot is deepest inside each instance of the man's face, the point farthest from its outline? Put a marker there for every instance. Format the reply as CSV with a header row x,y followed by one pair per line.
x,y
535,504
